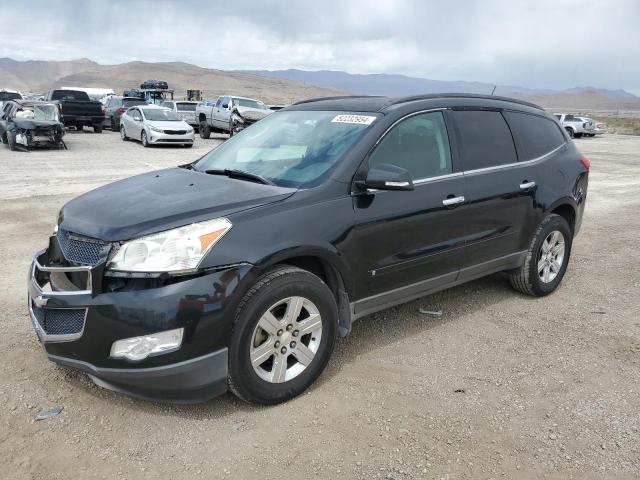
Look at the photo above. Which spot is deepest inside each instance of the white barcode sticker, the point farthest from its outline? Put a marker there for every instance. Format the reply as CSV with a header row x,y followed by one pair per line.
x,y
357,119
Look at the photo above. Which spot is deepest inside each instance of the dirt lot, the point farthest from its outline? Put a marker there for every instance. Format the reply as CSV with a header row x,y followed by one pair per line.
x,y
499,386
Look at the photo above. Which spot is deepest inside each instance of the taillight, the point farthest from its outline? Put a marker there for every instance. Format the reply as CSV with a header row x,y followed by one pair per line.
x,y
102,109
60,107
585,161
121,110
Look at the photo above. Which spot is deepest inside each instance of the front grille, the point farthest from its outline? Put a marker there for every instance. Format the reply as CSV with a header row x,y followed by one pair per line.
x,y
82,250
175,132
59,321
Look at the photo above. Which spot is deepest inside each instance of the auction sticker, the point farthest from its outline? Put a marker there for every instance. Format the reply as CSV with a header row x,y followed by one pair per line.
x,y
357,119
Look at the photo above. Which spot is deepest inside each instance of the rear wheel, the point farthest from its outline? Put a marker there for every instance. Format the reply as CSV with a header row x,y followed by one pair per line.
x,y
547,258
114,126
283,336
97,128
11,140
204,130
79,127
570,132
577,135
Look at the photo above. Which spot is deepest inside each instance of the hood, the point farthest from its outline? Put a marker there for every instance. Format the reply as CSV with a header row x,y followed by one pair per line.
x,y
162,200
252,113
174,125
28,124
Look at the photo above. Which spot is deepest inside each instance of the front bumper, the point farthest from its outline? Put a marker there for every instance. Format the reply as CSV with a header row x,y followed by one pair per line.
x,y
77,328
165,138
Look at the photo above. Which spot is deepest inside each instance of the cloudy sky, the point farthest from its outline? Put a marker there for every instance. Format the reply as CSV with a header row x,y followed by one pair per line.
x,y
540,43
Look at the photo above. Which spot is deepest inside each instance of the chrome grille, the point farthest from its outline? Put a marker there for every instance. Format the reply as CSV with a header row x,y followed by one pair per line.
x,y
82,250
59,321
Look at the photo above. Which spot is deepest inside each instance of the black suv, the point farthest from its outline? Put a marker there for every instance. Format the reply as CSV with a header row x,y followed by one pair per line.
x,y
240,269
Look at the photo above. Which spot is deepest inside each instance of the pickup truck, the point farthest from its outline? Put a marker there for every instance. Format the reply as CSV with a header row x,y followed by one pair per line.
x,y
78,109
230,114
575,126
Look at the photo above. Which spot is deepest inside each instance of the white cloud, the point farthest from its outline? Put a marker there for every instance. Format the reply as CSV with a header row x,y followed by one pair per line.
x,y
536,44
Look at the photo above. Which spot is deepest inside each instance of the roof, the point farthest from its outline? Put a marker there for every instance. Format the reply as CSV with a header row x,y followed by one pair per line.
x,y
365,103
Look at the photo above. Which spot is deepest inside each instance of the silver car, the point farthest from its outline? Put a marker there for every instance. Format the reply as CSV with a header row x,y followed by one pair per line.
x,y
154,125
185,109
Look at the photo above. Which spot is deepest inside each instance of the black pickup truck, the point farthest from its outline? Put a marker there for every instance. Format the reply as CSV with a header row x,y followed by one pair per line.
x,y
78,109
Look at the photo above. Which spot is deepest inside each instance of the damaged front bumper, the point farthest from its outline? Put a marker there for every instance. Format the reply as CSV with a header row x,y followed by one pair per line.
x,y
34,136
78,326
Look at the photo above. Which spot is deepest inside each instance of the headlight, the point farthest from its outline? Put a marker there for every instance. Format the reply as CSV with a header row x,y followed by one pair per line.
x,y
155,129
177,250
237,118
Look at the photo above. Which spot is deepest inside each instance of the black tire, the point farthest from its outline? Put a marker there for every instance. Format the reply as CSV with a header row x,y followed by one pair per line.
x,y
143,139
577,135
11,140
123,134
4,138
570,132
115,126
188,145
97,128
281,282
231,126
79,127
526,279
591,135
204,130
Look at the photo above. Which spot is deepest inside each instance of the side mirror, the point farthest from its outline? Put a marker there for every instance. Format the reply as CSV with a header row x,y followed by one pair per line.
x,y
387,177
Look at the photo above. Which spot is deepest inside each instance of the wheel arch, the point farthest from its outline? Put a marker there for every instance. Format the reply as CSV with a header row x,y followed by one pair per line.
x,y
328,267
567,209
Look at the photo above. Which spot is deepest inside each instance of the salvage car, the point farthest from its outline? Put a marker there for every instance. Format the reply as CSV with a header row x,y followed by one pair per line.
x,y
576,127
116,106
26,124
154,125
185,109
6,95
77,109
230,114
238,271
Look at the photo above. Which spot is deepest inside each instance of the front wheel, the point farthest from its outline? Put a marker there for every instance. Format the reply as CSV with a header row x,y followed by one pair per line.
x,y
547,258
123,134
283,336
145,140
570,132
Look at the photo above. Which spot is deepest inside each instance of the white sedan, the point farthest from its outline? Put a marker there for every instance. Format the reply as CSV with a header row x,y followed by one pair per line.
x,y
154,125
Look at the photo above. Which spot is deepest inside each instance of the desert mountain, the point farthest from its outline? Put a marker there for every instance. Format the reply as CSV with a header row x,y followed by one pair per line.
x,y
578,98
40,76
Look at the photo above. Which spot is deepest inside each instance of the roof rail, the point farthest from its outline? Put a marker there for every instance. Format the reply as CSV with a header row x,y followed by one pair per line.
x,y
414,98
337,97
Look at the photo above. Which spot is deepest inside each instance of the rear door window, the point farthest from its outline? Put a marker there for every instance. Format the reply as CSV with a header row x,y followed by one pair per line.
x,y
186,107
418,144
485,139
535,136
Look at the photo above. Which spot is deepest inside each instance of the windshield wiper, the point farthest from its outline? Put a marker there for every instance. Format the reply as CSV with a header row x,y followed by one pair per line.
x,y
240,174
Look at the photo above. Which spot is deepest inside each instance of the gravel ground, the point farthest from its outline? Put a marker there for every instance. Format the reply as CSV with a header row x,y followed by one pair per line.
x,y
499,386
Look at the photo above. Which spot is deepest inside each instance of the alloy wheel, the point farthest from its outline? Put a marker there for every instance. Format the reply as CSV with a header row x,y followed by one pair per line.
x,y
286,339
551,256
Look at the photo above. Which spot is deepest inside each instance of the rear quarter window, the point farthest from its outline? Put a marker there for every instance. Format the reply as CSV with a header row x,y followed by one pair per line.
x,y
534,136
485,139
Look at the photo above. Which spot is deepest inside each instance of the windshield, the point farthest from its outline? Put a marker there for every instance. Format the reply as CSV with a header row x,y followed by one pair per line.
x,y
245,102
131,102
159,115
38,112
9,96
291,149
186,107
70,95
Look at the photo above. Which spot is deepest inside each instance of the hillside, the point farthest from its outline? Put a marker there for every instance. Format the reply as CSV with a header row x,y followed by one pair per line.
x,y
39,76
583,98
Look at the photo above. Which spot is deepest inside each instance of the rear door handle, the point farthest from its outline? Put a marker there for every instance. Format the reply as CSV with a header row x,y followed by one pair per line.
x,y
448,202
527,185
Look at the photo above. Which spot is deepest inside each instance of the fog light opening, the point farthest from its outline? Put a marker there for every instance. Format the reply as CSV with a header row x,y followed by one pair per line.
x,y
139,348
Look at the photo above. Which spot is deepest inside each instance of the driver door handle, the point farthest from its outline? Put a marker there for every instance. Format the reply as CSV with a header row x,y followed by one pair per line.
x,y
527,185
450,201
